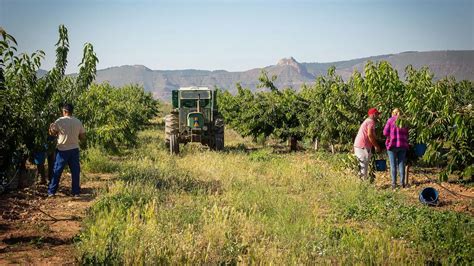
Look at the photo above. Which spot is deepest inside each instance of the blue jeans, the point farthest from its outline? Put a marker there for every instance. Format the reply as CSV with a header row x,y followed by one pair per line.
x,y
70,157
397,157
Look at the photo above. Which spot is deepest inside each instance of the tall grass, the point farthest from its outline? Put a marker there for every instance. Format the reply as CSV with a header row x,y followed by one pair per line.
x,y
256,206
96,161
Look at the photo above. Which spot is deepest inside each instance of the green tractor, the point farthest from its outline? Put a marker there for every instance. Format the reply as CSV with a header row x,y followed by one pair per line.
x,y
194,118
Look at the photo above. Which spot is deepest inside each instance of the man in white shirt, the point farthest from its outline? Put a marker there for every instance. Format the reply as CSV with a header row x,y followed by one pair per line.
x,y
69,131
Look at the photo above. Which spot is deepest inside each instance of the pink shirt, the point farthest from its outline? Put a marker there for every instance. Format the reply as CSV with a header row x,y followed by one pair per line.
x,y
362,138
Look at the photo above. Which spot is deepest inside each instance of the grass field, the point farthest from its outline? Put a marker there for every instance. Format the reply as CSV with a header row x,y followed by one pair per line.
x,y
253,205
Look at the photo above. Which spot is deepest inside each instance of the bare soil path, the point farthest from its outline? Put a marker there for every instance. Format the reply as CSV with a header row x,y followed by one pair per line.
x,y
36,229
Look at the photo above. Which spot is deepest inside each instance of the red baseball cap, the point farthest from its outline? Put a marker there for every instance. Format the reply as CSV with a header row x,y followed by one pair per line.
x,y
373,111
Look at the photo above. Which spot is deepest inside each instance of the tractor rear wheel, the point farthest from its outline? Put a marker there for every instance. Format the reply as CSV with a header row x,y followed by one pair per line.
x,y
171,126
219,134
174,144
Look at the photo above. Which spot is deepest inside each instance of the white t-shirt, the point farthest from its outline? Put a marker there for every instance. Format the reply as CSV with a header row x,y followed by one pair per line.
x,y
69,129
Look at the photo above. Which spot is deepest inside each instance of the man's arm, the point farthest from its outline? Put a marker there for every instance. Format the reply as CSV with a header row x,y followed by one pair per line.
x,y
82,136
53,130
371,135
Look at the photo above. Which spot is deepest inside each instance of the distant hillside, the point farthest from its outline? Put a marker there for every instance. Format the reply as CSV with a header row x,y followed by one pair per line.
x,y
459,64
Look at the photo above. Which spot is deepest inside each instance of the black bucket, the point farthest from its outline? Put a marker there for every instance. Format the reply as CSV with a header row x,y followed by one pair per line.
x,y
429,196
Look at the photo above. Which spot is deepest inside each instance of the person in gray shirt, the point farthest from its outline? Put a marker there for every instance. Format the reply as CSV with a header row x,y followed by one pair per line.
x,y
69,131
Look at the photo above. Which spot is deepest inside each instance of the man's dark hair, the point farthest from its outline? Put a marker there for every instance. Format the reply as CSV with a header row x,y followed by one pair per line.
x,y
68,107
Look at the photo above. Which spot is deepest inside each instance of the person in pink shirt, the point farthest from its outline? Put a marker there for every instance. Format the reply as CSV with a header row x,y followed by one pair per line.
x,y
365,140
397,146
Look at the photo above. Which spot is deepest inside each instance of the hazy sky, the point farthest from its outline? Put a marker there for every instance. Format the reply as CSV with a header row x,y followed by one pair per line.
x,y
237,35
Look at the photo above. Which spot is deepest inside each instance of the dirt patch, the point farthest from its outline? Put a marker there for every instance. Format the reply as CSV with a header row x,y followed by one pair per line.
x,y
452,196
36,229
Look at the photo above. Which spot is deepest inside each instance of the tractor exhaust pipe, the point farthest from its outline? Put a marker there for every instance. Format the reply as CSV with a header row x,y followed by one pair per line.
x,y
198,103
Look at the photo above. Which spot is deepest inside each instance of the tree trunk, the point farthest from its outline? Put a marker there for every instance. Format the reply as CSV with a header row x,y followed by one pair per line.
x,y
293,143
332,148
316,144
23,177
407,170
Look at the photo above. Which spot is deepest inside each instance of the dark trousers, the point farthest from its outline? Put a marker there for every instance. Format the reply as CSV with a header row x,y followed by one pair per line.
x,y
71,158
41,169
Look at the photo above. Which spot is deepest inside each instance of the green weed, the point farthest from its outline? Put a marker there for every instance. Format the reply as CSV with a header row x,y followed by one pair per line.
x,y
97,161
204,207
261,155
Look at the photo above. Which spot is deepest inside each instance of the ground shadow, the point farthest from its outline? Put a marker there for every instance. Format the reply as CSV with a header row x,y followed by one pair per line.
x,y
189,184
86,193
276,148
15,243
4,227
416,183
386,186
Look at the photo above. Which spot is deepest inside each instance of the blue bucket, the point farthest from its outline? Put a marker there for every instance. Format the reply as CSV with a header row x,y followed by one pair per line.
x,y
39,157
420,149
380,165
429,196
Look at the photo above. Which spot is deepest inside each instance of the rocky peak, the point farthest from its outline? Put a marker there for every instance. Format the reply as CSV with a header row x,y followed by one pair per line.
x,y
294,64
288,62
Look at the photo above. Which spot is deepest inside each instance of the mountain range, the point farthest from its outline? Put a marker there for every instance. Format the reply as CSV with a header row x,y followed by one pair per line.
x,y
290,72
